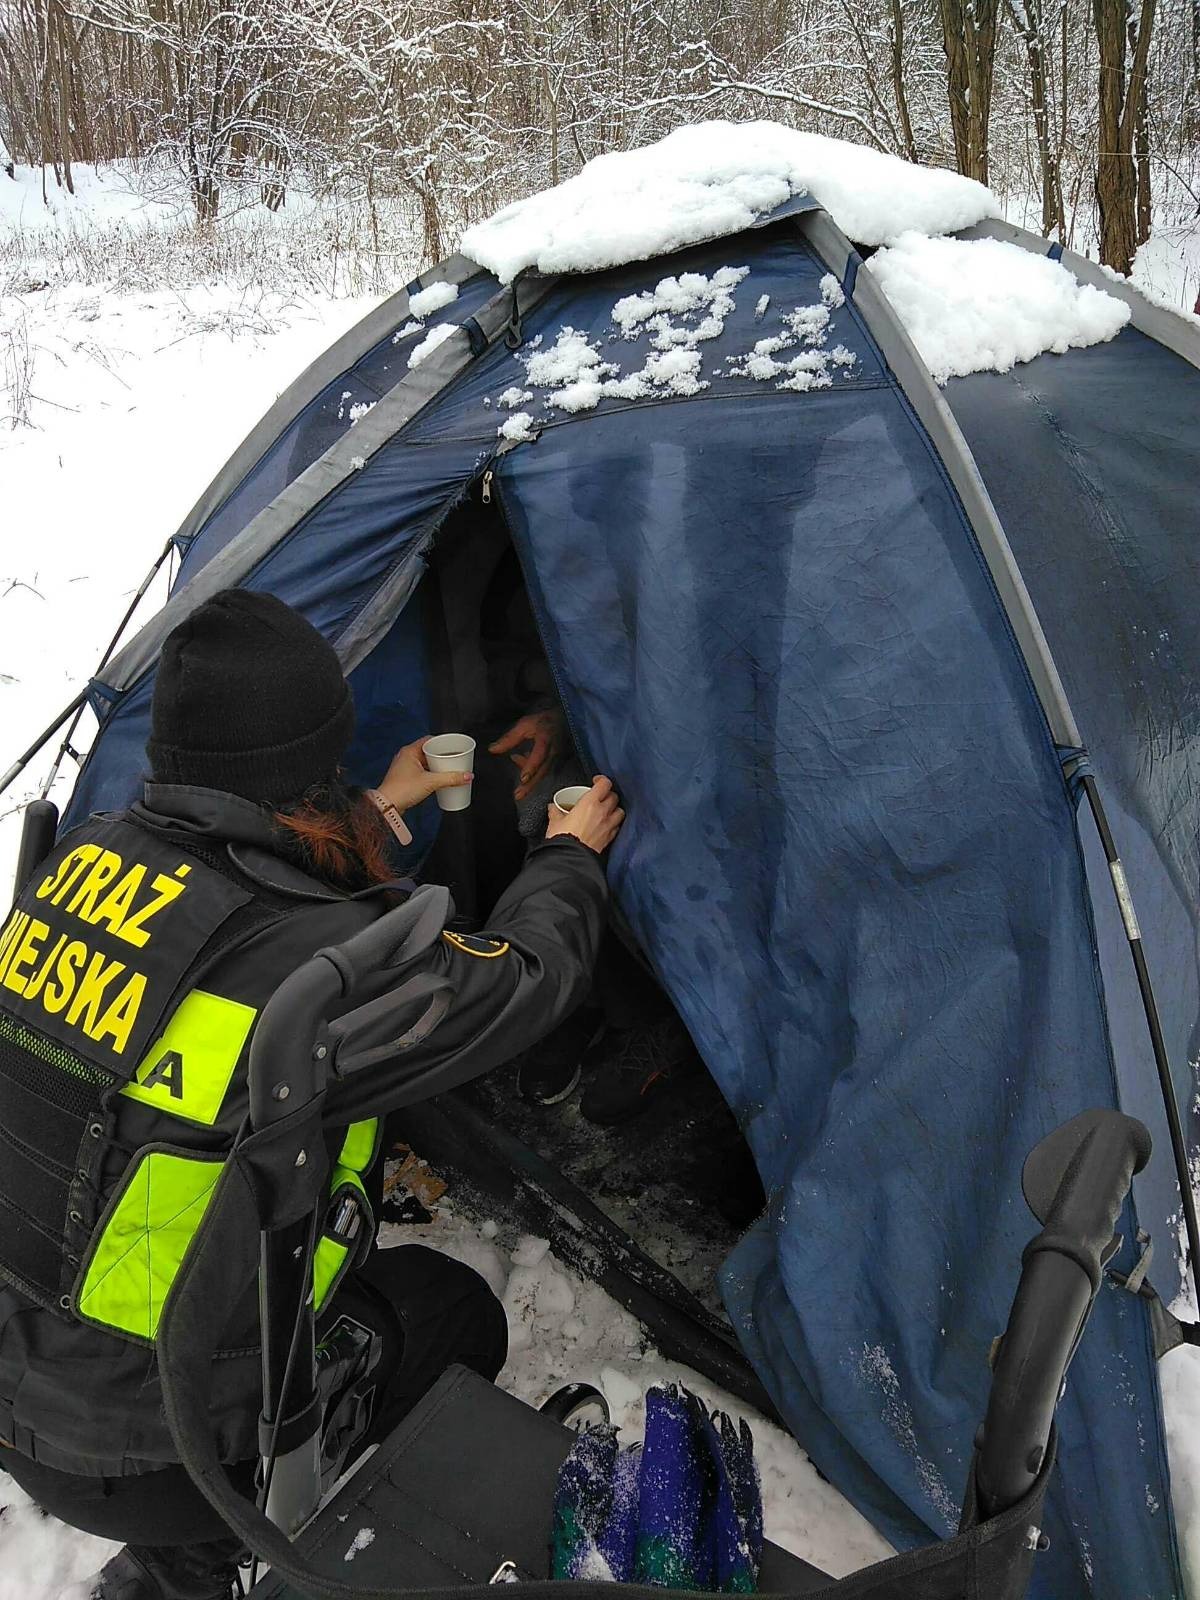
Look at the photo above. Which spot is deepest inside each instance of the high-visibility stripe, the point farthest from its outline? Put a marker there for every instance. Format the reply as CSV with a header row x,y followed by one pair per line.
x,y
358,1147
148,1230
153,1219
188,1070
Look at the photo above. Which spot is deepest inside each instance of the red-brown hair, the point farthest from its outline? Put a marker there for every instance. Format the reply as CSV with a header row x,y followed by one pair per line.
x,y
340,836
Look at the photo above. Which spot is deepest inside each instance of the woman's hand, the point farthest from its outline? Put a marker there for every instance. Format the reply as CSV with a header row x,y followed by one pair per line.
x,y
409,780
595,820
543,732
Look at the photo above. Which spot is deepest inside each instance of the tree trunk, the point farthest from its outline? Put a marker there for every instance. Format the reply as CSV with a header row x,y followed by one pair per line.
x,y
1121,105
1029,21
969,40
898,85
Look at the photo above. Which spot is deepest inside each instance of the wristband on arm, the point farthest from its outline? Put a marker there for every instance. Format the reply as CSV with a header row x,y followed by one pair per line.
x,y
391,815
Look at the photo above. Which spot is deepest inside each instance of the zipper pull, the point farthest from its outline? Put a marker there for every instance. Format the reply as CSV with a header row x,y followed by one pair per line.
x,y
487,487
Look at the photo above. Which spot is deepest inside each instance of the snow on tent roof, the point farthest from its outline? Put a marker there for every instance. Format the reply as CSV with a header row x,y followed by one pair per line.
x,y
981,305
713,179
970,306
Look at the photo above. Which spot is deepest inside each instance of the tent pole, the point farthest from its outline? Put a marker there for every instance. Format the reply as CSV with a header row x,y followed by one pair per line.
x,y
76,707
23,761
65,747
1171,1105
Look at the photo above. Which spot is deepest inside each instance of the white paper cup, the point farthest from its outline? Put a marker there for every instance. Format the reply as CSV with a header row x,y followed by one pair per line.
x,y
567,799
451,752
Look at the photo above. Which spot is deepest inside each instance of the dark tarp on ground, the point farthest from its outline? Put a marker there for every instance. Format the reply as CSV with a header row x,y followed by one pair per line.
x,y
850,853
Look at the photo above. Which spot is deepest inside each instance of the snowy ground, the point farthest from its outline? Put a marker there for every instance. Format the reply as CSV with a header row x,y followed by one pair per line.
x,y
119,398
561,1330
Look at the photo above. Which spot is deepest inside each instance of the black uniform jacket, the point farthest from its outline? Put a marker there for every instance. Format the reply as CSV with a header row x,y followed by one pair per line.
x,y
83,1400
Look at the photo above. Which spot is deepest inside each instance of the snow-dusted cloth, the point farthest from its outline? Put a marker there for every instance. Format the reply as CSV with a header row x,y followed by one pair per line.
x,y
683,1510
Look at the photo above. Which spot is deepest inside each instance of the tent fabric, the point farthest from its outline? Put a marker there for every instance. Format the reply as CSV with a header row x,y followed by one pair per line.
x,y
322,421
1103,518
852,854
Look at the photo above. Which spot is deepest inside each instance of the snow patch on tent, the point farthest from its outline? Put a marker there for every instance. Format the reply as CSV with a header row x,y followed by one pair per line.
x,y
806,327
423,304
669,312
357,411
426,301
982,305
678,315
711,180
876,1369
360,1541
430,342
576,377
518,428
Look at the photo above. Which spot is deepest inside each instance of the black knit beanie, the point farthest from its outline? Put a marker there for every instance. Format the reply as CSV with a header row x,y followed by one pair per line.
x,y
249,698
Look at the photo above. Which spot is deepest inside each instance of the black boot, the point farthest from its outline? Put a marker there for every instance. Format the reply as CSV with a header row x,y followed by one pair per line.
x,y
550,1070
633,1066
172,1572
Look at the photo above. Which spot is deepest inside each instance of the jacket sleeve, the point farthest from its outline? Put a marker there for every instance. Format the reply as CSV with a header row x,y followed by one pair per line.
x,y
513,983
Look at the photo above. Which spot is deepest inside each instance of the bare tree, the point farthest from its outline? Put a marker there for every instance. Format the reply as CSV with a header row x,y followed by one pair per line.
x,y
969,39
443,109
1036,31
1123,38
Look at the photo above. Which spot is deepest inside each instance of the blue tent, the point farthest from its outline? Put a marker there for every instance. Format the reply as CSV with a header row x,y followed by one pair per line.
x,y
848,653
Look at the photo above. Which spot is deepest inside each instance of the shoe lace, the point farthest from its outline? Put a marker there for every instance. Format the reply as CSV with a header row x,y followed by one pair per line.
x,y
641,1054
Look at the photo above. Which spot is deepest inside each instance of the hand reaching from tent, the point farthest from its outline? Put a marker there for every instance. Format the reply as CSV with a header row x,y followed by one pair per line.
x,y
409,780
543,732
595,820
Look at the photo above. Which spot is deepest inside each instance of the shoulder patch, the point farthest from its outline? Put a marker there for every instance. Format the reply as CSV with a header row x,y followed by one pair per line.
x,y
472,945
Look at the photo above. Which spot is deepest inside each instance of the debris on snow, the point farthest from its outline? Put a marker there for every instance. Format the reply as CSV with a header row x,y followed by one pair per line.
x,y
518,428
431,341
710,180
435,298
982,305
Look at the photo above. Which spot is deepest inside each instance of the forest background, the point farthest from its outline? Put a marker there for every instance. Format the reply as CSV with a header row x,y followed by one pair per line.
x,y
423,115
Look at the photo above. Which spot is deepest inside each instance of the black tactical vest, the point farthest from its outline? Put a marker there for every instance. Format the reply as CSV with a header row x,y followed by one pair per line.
x,y
97,1000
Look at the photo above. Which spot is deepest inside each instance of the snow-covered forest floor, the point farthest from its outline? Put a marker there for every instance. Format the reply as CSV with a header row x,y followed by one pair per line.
x,y
133,358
